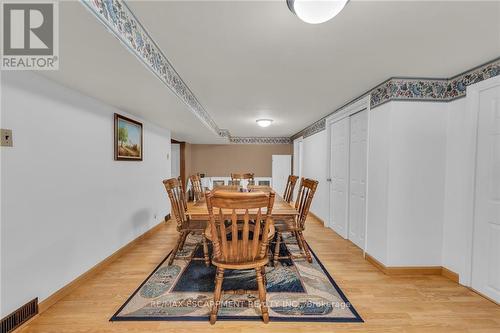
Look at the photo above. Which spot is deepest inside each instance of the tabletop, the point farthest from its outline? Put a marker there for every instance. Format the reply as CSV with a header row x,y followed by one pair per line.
x,y
282,210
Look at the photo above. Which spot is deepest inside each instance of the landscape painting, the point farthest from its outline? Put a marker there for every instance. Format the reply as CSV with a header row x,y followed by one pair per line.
x,y
128,139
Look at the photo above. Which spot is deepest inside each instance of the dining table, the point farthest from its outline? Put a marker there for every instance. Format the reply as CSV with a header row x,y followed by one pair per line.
x,y
282,210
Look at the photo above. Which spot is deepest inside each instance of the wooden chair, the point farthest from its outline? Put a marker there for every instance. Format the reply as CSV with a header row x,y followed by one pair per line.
x,y
196,186
306,193
290,186
185,225
236,178
248,246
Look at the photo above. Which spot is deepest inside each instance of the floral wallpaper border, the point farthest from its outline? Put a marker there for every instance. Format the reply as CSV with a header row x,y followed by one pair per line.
x,y
415,89
260,140
123,24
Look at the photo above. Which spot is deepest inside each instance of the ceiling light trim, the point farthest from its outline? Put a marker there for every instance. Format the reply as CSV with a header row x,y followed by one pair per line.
x,y
416,90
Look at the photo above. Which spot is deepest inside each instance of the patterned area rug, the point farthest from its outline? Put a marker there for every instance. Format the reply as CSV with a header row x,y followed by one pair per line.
x,y
296,291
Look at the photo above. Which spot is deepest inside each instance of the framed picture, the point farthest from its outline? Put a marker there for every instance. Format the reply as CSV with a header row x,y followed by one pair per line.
x,y
128,139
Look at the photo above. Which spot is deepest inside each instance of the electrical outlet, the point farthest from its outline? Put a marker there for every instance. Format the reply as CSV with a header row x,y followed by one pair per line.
x,y
6,137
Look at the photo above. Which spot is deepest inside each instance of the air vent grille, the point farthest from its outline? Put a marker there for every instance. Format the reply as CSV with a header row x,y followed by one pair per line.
x,y
20,316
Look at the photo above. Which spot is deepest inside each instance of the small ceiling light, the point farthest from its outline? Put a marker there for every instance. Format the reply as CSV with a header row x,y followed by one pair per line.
x,y
264,122
316,11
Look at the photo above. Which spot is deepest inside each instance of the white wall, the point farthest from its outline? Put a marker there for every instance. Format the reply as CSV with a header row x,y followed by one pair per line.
x,y
315,166
459,189
379,143
66,204
406,176
416,183
406,172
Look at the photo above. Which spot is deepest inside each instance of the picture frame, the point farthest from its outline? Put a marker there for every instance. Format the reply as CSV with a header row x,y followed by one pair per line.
x,y
128,142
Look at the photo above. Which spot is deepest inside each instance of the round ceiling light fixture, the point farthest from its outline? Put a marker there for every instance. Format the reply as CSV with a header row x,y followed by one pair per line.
x,y
264,122
316,11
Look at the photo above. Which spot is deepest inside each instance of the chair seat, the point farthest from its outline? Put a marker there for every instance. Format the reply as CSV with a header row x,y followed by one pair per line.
x,y
281,226
194,225
243,261
247,264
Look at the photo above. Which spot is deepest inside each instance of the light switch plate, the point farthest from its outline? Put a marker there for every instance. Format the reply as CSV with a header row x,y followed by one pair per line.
x,y
6,137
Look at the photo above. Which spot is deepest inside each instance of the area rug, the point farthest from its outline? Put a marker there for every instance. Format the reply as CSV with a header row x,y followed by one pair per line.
x,y
296,291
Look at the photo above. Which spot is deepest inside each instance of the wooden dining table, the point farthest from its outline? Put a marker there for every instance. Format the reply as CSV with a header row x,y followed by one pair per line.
x,y
282,210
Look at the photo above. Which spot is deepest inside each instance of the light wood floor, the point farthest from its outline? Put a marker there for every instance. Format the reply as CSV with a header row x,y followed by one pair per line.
x,y
387,304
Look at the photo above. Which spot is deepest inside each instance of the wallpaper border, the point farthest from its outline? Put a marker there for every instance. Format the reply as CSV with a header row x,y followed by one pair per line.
x,y
416,90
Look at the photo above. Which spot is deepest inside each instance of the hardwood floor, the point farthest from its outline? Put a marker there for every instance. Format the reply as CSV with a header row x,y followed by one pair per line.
x,y
386,303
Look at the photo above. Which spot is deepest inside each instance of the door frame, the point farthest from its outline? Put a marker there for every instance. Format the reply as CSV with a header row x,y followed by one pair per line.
x,y
182,166
347,111
472,106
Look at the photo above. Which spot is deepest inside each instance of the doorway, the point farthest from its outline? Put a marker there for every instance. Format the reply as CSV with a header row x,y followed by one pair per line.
x,y
178,160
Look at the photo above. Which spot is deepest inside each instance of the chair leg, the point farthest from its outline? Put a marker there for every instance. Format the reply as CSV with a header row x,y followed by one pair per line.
x,y
299,243
306,247
262,295
180,241
219,277
205,251
184,240
277,245
264,278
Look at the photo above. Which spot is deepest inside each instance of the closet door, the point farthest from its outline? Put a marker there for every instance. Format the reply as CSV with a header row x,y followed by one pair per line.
x,y
339,172
357,177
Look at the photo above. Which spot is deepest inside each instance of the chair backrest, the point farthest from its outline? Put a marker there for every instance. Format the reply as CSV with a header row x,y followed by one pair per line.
x,y
177,200
304,198
242,246
197,188
236,178
290,186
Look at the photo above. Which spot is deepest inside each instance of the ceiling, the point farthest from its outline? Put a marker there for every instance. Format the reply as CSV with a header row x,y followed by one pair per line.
x,y
246,60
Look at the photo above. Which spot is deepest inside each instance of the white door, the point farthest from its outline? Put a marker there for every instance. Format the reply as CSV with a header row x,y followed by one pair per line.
x,y
357,177
486,248
339,174
282,165
176,160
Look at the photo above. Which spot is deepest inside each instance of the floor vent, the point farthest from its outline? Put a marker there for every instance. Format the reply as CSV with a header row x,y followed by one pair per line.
x,y
20,316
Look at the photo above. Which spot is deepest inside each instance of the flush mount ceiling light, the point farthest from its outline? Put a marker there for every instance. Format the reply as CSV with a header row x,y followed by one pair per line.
x,y
264,122
316,11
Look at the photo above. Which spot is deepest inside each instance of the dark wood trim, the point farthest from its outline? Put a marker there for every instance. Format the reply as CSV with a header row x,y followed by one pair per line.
x,y
115,142
183,165
182,161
